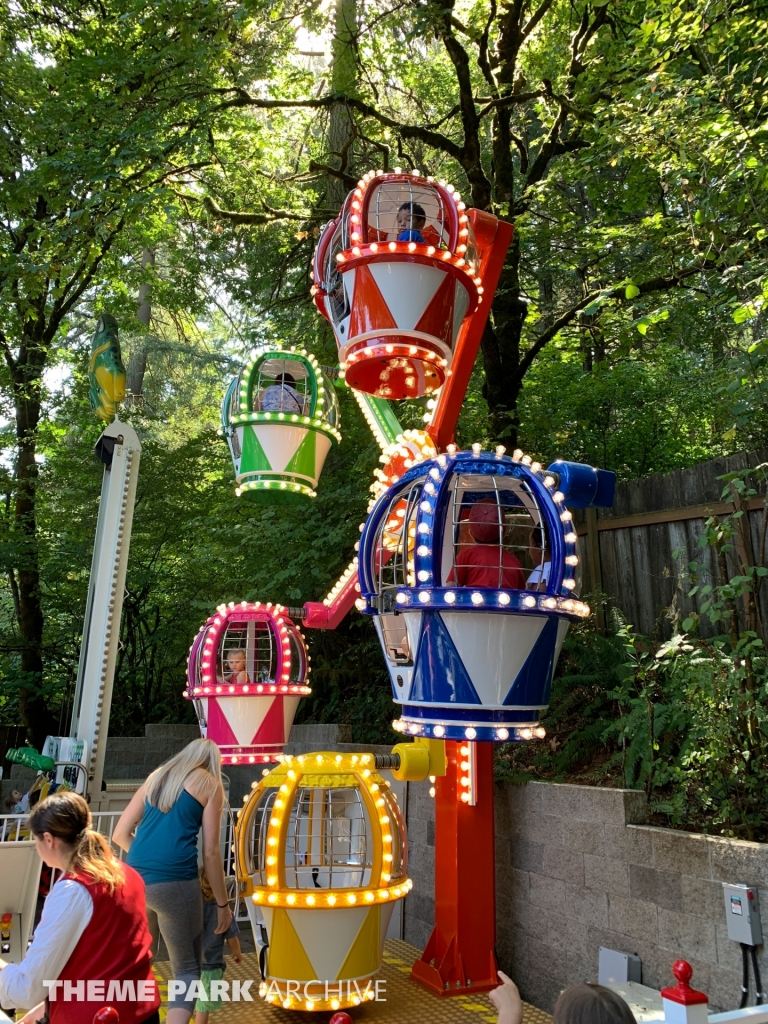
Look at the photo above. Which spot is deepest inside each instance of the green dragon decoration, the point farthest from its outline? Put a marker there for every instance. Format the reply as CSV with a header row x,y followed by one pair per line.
x,y
106,372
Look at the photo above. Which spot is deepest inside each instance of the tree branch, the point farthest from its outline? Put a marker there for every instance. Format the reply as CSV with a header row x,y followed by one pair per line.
x,y
350,181
510,100
251,218
7,354
471,155
535,18
482,55
430,138
655,284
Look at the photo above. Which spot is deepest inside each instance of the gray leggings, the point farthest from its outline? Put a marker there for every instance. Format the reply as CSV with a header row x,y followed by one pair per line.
x,y
178,908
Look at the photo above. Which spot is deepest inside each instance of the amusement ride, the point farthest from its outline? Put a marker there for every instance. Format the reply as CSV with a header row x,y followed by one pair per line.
x,y
467,562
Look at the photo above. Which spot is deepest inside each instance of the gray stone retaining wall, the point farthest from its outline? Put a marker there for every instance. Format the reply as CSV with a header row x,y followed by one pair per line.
x,y
134,757
577,869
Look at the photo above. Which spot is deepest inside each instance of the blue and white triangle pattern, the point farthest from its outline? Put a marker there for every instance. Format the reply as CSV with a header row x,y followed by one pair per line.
x,y
533,682
484,662
439,675
494,648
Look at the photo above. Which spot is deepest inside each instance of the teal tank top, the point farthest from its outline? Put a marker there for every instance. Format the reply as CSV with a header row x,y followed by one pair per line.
x,y
164,848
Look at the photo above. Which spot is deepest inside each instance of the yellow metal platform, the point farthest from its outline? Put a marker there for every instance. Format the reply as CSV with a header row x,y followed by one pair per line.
x,y
406,1003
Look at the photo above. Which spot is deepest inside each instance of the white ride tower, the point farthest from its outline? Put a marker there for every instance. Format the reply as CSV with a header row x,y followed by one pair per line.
x,y
120,450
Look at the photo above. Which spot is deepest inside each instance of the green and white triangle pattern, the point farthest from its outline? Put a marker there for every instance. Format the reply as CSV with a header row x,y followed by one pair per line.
x,y
310,457
282,451
254,457
303,461
271,447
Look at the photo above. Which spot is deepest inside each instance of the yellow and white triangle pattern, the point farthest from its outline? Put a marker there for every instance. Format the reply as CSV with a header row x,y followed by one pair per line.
x,y
325,945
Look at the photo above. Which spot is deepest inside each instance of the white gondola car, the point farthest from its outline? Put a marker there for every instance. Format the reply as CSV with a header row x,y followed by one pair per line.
x,y
322,854
280,417
247,673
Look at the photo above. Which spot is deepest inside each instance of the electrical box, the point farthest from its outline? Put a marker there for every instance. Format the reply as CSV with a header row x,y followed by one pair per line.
x,y
616,968
742,913
11,938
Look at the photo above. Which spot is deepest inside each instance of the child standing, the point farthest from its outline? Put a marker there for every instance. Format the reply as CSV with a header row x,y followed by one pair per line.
x,y
213,951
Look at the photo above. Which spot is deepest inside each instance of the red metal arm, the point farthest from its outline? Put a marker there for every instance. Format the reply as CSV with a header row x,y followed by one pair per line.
x,y
329,616
493,237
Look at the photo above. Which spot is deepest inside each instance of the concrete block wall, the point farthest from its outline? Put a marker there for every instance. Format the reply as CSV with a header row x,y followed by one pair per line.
x,y
126,757
134,757
419,909
577,868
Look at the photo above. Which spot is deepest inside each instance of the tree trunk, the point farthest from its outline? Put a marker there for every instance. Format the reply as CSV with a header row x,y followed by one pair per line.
x,y
502,353
137,364
34,714
343,80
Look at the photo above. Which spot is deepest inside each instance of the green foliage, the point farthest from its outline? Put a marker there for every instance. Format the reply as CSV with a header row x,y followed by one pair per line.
x,y
631,311
581,705
678,720
686,719
646,412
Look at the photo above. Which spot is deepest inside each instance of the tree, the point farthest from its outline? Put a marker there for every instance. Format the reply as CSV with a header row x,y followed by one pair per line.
x,y
539,106
626,141
102,111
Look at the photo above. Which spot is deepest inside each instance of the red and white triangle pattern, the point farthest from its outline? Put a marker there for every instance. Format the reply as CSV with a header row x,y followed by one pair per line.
x,y
250,725
392,296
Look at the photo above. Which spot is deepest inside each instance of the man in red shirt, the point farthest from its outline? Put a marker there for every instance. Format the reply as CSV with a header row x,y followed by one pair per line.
x,y
484,562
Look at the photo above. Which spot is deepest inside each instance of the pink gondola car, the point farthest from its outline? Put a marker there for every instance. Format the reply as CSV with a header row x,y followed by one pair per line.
x,y
247,673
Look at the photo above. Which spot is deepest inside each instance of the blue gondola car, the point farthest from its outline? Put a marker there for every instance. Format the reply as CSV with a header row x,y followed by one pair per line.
x,y
469,566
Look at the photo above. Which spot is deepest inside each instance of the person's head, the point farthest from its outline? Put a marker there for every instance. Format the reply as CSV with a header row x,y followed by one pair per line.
x,y
15,798
286,378
591,1004
34,797
200,759
537,543
236,660
61,827
485,522
411,215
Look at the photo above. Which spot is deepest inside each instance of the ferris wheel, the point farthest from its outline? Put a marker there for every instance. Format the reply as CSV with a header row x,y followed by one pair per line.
x,y
467,562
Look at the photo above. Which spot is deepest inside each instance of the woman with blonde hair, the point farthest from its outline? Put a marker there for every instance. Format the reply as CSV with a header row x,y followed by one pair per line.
x,y
159,829
92,945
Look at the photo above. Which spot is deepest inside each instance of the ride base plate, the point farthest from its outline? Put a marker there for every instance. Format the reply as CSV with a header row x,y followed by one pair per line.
x,y
406,1003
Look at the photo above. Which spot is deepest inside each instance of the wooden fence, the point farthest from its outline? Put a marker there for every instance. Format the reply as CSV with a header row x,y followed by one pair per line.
x,y
627,551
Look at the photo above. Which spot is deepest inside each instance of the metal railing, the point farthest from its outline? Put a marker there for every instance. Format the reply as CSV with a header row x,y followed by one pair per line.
x,y
13,829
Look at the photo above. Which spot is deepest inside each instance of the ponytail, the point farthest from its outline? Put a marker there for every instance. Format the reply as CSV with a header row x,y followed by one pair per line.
x,y
66,816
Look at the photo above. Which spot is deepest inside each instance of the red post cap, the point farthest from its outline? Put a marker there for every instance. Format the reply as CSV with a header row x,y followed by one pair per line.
x,y
682,992
340,1018
106,1015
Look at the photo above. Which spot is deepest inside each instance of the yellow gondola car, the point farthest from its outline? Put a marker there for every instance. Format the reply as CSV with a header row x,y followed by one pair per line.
x,y
322,857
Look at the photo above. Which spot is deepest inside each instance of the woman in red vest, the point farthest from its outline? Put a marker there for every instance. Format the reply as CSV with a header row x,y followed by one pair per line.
x,y
92,945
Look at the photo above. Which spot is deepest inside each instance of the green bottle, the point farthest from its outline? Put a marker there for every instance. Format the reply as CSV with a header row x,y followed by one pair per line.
x,y
30,758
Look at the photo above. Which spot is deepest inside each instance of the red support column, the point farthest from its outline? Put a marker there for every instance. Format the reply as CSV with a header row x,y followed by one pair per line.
x,y
460,956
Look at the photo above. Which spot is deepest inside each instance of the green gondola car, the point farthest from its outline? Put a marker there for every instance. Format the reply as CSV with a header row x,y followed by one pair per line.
x,y
280,417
